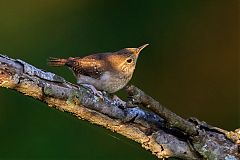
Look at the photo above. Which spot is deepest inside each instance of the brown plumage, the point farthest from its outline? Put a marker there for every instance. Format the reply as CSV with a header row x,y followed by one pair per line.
x,y
105,71
87,66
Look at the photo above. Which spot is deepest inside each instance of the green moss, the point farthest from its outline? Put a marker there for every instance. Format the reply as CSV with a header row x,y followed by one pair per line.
x,y
48,91
73,98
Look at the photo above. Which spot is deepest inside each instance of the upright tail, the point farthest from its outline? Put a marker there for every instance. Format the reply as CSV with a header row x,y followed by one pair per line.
x,y
56,61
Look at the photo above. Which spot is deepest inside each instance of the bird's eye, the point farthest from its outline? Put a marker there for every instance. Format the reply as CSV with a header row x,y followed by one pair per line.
x,y
129,60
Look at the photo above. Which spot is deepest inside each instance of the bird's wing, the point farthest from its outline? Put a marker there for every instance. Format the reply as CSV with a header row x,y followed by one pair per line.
x,y
92,65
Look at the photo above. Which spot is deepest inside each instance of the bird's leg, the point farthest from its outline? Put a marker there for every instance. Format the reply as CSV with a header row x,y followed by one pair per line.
x,y
93,89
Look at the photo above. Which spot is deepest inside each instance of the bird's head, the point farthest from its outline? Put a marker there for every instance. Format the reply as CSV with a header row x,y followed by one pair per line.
x,y
128,58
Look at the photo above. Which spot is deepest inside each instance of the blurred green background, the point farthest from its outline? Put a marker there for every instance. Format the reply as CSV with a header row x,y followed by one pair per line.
x,y
191,66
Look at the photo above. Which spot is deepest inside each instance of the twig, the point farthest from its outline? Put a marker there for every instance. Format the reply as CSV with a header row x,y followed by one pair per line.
x,y
173,120
147,128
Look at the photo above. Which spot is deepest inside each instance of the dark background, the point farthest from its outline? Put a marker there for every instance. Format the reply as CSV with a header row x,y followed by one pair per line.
x,y
191,66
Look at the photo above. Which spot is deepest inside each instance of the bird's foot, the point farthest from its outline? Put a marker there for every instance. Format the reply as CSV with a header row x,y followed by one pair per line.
x,y
93,90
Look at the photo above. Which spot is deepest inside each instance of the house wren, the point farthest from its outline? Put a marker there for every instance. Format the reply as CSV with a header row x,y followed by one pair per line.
x,y
109,72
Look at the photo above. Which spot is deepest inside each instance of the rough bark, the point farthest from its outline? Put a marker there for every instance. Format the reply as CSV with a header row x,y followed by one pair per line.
x,y
161,131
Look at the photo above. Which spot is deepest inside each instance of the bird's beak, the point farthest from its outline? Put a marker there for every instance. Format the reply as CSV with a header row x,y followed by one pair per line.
x,y
139,49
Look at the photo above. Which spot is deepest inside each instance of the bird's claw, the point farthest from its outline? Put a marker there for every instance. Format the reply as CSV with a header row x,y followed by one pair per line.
x,y
94,90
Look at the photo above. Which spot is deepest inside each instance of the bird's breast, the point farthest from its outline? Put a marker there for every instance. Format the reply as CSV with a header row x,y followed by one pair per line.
x,y
113,82
108,81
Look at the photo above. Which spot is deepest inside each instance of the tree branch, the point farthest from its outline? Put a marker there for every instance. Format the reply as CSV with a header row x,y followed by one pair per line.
x,y
162,132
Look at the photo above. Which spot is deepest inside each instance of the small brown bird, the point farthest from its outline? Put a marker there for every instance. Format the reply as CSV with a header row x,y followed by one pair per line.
x,y
109,72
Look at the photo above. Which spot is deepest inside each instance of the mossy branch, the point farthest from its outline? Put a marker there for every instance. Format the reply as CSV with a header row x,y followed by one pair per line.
x,y
162,132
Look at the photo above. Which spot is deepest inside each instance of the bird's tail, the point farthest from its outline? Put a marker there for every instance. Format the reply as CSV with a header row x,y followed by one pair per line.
x,y
56,61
